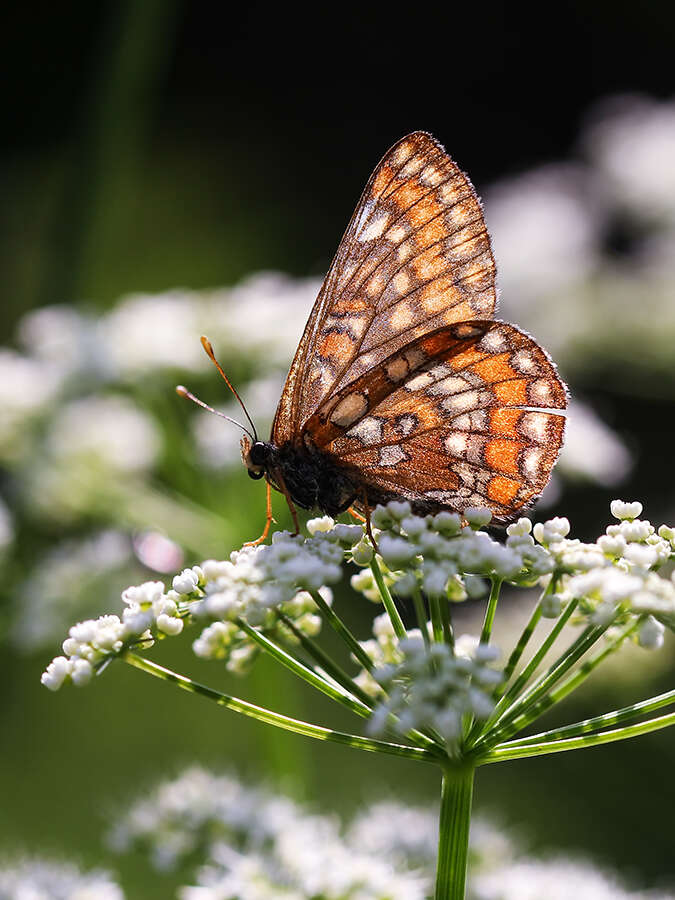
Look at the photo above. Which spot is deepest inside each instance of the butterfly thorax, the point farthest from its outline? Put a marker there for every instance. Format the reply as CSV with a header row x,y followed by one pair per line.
x,y
309,477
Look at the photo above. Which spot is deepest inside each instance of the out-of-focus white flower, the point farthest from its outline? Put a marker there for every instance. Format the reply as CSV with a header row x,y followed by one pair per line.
x,y
41,879
27,390
592,450
545,230
265,315
557,879
257,845
408,835
631,140
64,338
110,431
254,845
75,578
149,331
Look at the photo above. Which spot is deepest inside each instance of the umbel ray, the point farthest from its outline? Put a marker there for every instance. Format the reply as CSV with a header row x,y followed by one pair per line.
x,y
403,385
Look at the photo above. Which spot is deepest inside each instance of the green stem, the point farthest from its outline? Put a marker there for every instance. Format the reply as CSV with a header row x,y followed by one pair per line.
x,y
506,730
326,663
554,673
447,622
453,840
506,751
436,618
421,616
519,649
271,718
304,672
623,716
531,667
341,629
388,600
435,744
491,610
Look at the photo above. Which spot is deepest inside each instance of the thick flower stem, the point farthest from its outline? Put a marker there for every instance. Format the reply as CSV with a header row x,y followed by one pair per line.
x,y
453,841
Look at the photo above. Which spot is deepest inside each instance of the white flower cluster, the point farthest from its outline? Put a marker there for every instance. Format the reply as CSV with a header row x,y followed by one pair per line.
x,y
436,687
617,577
149,612
40,879
256,584
256,844
250,844
612,579
440,555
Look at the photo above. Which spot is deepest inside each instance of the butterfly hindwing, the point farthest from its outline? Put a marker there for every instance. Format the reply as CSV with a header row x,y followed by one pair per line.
x,y
466,415
416,256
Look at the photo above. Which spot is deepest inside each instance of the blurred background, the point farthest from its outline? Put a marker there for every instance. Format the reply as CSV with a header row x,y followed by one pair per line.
x,y
170,169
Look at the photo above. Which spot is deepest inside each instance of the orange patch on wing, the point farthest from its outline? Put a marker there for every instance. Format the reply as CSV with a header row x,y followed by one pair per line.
x,y
495,368
459,312
422,212
382,179
502,490
465,358
431,233
335,344
512,393
505,421
348,304
408,194
502,455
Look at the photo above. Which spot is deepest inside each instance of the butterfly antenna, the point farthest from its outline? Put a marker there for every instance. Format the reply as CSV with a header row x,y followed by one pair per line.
x,y
206,344
183,392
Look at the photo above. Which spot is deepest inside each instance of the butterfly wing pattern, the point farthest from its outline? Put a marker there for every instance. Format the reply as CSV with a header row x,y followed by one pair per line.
x,y
403,385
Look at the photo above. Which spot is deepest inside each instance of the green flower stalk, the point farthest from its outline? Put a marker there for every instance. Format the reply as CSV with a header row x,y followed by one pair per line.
x,y
424,693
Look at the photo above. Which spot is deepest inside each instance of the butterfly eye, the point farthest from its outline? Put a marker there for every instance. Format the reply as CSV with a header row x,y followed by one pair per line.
x,y
256,476
258,454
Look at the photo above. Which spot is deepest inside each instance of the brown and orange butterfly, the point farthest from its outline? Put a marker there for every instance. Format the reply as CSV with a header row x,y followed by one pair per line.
x,y
403,385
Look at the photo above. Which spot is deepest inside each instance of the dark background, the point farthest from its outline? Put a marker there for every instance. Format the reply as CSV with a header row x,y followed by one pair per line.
x,y
161,143
154,144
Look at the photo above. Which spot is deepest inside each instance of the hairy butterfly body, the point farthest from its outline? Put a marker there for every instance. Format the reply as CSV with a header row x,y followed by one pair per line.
x,y
403,386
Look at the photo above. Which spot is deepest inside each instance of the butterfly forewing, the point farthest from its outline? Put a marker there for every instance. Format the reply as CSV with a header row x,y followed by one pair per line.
x,y
416,256
457,418
403,385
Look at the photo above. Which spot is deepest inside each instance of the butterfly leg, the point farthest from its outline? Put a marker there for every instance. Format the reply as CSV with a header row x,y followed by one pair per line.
x,y
268,520
366,519
278,477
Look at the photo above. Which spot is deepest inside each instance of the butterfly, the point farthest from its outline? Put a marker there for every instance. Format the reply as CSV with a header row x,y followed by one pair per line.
x,y
403,385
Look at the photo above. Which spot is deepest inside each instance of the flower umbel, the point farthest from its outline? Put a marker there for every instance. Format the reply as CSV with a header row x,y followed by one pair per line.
x,y
426,694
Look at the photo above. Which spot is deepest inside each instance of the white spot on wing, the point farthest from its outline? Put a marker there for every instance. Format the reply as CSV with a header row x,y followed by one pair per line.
x,y
349,409
396,369
375,229
391,456
456,443
535,426
368,430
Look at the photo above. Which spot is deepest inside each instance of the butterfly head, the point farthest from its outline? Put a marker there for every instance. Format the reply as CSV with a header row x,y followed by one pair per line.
x,y
255,456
